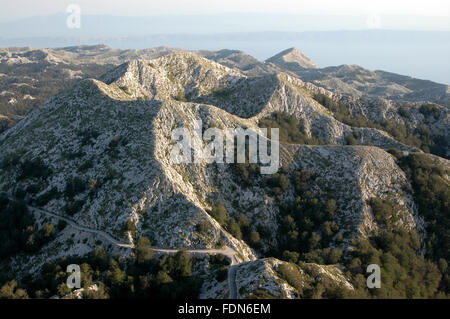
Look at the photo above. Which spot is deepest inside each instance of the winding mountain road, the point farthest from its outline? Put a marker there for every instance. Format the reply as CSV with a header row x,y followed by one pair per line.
x,y
82,228
227,251
232,282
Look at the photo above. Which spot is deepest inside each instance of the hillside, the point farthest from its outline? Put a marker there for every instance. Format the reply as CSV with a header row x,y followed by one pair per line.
x,y
103,167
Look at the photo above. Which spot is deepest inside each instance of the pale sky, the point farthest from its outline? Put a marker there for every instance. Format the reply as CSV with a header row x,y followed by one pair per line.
x,y
24,8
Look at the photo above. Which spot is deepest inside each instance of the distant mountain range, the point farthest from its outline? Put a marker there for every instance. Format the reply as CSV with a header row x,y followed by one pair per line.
x,y
25,86
422,54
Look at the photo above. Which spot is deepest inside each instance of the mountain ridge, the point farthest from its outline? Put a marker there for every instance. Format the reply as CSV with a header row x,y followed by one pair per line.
x,y
111,138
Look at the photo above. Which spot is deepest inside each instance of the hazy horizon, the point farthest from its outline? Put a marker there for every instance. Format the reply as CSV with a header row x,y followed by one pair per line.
x,y
428,10
269,21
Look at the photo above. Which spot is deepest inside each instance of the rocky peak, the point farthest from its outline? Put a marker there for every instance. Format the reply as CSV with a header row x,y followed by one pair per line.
x,y
179,75
293,59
